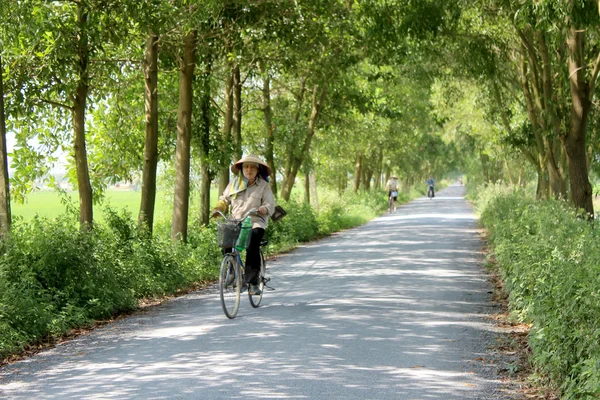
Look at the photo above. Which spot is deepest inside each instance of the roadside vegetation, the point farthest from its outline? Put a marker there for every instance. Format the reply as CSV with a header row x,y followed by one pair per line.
x,y
548,257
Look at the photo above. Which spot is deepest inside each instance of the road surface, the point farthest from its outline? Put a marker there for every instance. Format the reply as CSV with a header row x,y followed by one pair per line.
x,y
395,309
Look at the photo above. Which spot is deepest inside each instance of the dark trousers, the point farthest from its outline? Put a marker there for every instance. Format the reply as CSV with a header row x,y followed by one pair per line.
x,y
253,256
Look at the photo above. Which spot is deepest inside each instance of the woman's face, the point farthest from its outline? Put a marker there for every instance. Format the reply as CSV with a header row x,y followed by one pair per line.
x,y
250,171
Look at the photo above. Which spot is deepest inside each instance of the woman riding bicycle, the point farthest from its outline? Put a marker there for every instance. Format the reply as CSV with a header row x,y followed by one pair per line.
x,y
250,190
392,189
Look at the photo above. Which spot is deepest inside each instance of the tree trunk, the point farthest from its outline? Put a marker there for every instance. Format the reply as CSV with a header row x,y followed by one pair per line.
x,y
378,172
543,109
181,202
541,143
288,182
358,172
508,172
86,210
205,143
5,213
574,140
368,177
314,197
342,181
237,113
557,184
292,146
484,166
540,188
269,128
306,188
148,200
226,136
363,177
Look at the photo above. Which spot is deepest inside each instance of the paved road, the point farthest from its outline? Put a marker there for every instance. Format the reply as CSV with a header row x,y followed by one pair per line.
x,y
394,309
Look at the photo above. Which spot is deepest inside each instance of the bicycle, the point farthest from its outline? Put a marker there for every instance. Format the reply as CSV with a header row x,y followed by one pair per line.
x,y
430,192
392,202
232,270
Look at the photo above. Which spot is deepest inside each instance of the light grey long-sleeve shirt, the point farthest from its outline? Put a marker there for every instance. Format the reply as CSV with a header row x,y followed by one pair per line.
x,y
257,195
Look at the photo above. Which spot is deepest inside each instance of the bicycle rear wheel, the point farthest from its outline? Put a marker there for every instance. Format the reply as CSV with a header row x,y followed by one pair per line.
x,y
257,298
230,286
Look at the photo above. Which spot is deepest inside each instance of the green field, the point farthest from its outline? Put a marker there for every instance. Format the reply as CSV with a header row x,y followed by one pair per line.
x,y
48,203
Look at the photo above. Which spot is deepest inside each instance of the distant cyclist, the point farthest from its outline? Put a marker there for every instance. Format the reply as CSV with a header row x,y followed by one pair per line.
x,y
392,188
430,187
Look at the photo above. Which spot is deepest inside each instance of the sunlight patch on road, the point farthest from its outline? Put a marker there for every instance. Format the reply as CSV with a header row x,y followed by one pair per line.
x,y
180,332
400,268
438,198
265,392
463,381
437,215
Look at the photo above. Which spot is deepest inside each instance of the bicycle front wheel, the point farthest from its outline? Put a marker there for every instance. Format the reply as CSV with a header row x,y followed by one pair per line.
x,y
230,286
257,298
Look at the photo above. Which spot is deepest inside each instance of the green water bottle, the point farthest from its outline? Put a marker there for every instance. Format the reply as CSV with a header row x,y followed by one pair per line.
x,y
242,240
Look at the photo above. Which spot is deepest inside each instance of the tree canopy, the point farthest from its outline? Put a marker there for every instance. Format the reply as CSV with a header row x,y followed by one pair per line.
x,y
345,91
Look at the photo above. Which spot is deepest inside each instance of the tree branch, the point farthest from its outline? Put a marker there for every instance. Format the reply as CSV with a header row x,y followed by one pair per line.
x,y
595,71
116,60
56,104
217,107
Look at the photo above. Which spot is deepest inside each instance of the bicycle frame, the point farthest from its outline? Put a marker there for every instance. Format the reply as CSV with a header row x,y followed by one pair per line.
x,y
233,259
391,203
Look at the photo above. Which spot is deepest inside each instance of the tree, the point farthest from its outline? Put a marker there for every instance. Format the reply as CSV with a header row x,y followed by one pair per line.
x,y
322,64
187,62
80,95
66,56
5,214
584,65
206,125
148,197
556,55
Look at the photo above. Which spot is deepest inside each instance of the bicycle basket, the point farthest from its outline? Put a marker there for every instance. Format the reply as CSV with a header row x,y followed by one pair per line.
x,y
227,233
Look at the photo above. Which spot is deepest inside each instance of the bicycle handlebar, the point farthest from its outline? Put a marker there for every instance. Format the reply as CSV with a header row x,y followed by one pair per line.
x,y
253,211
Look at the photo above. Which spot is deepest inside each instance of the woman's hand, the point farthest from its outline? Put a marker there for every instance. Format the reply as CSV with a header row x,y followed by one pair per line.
x,y
262,210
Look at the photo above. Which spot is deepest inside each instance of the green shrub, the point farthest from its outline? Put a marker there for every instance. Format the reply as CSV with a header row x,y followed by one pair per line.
x,y
54,276
549,259
299,225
